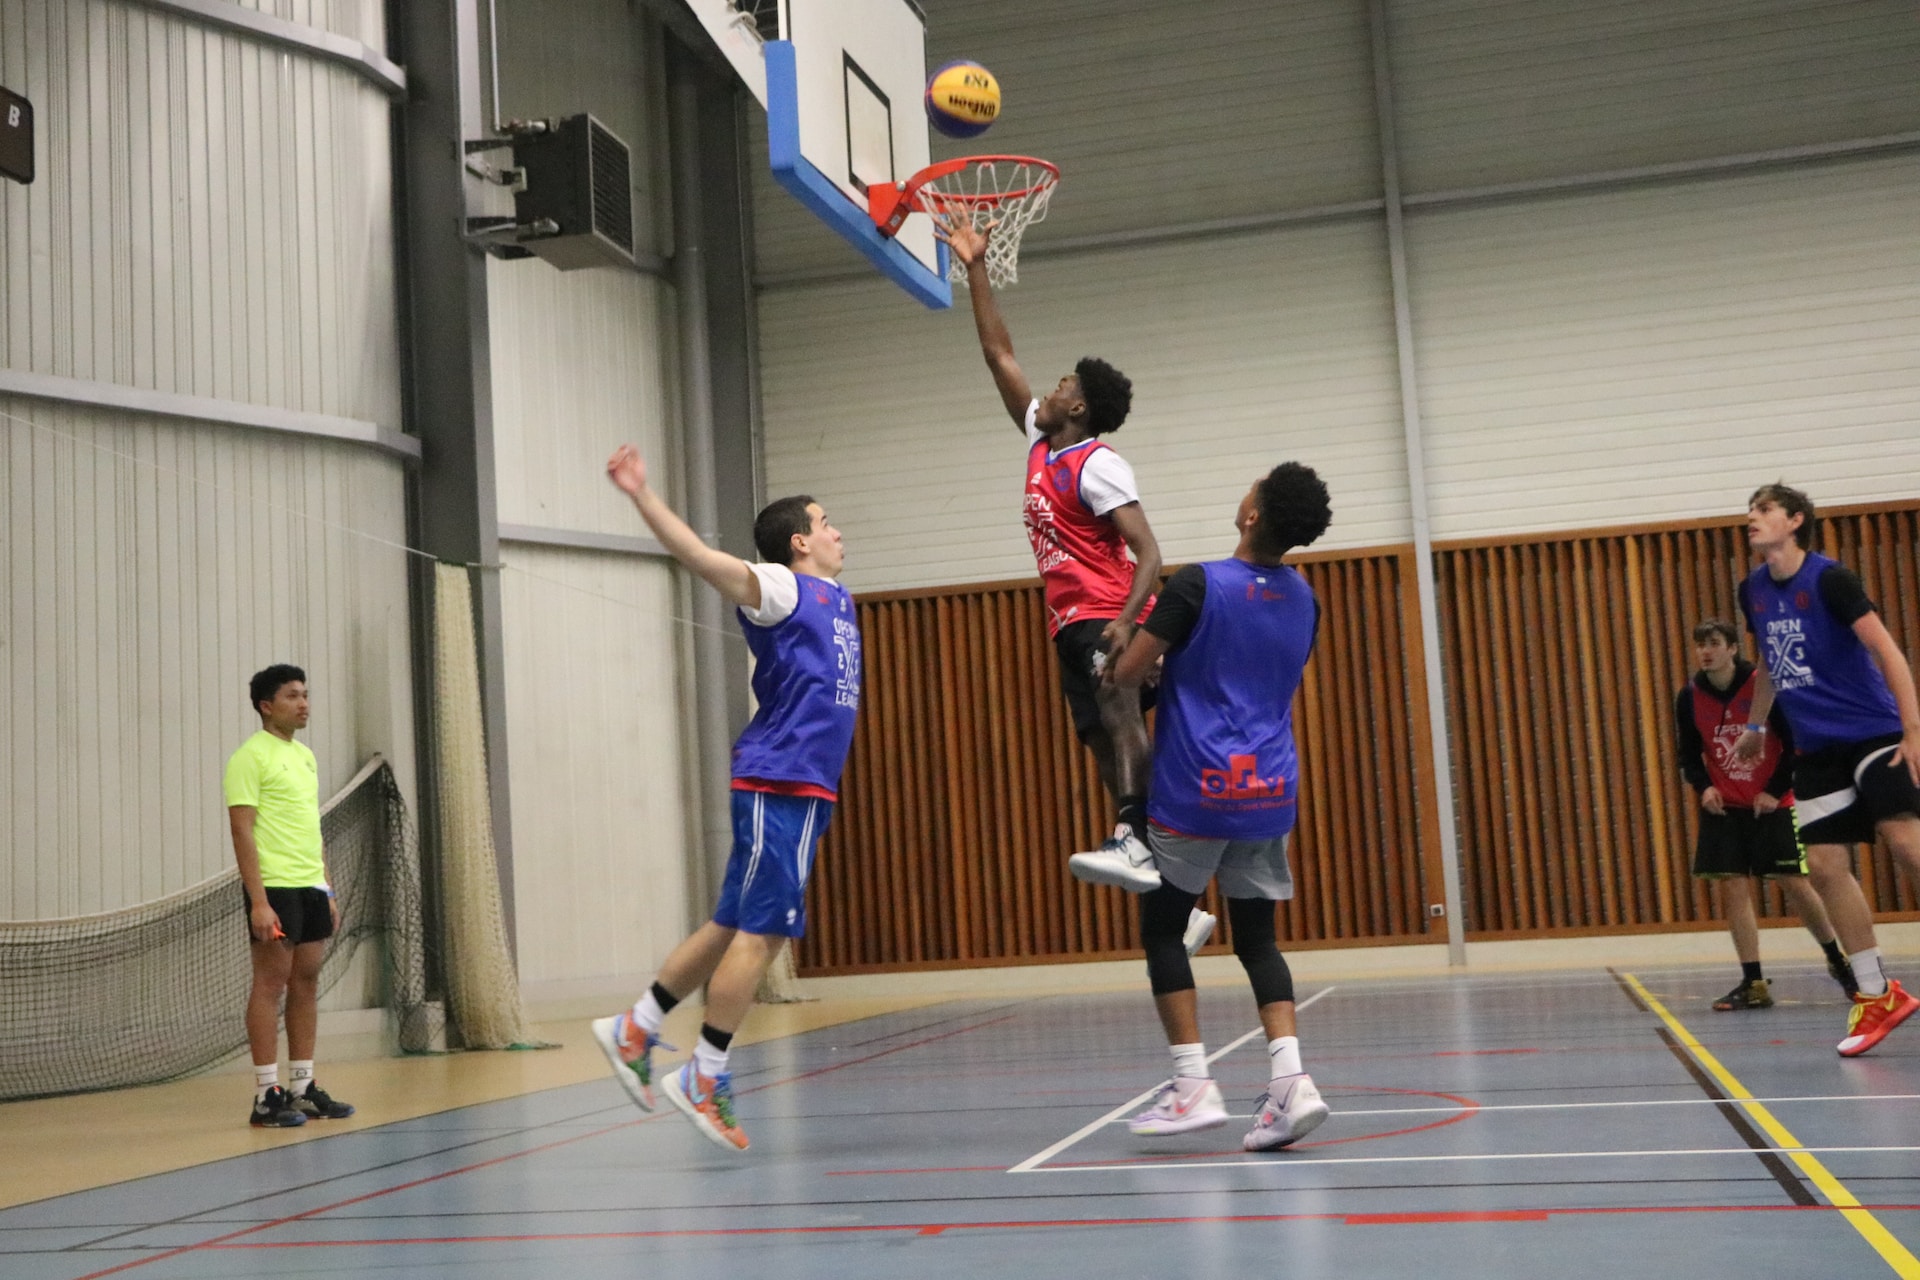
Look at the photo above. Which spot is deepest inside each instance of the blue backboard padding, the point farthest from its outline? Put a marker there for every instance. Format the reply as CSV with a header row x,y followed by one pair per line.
x,y
827,201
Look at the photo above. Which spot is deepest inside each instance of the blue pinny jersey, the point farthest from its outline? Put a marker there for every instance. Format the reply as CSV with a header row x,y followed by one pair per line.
x,y
1224,765
806,678
1826,680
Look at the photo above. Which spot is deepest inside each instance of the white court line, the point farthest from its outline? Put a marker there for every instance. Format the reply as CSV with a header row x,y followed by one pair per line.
x,y
1271,1163
1651,1102
1027,1165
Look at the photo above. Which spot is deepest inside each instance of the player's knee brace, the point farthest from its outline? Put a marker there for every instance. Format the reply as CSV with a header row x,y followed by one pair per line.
x,y
1253,943
1163,927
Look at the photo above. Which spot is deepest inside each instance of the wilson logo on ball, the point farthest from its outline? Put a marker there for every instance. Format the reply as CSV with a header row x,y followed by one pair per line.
x,y
963,99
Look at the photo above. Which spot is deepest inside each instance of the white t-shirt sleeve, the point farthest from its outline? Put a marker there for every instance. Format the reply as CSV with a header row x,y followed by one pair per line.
x,y
1033,432
1107,482
779,595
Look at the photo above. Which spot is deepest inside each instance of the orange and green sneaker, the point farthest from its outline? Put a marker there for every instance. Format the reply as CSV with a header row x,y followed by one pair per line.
x,y
708,1102
629,1051
1873,1016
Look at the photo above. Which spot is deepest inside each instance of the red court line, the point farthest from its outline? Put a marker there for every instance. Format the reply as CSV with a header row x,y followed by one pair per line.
x,y
938,1228
226,1241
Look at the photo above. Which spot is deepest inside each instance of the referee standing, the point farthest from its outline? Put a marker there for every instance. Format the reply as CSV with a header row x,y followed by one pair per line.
x,y
273,808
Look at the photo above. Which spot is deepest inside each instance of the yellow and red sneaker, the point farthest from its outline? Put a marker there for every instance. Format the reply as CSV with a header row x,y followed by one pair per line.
x,y
1873,1016
708,1102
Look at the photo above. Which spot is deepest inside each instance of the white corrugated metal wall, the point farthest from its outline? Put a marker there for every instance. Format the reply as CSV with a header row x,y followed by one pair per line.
x,y
583,361
212,217
1592,356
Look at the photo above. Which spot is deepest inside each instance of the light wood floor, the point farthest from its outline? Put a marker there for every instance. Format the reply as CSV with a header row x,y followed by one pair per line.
x,y
54,1146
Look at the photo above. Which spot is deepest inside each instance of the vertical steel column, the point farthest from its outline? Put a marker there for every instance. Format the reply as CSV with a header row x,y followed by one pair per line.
x,y
702,500
449,398
1441,742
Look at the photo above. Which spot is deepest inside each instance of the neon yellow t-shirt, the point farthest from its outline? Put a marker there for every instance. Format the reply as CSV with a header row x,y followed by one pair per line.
x,y
280,780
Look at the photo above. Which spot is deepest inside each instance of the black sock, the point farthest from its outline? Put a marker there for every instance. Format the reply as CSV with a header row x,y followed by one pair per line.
x,y
1133,812
664,998
1832,947
718,1039
1750,971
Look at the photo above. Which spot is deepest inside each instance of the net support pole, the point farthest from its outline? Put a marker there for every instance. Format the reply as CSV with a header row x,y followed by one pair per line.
x,y
1440,740
702,488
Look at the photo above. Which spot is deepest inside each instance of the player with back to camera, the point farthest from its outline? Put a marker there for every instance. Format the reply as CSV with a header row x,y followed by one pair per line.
x,y
800,624
1083,516
1848,693
1234,637
272,788
1747,828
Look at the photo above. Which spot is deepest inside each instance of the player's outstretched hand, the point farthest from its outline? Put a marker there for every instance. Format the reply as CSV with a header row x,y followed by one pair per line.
x,y
956,230
628,470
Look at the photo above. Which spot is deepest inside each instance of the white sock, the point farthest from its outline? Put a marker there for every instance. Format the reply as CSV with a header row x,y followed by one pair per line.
x,y
299,1077
1868,973
647,1013
264,1078
707,1060
1190,1060
1285,1054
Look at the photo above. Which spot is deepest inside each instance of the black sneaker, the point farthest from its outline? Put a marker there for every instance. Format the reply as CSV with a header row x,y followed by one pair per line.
x,y
314,1104
1751,994
275,1111
1842,973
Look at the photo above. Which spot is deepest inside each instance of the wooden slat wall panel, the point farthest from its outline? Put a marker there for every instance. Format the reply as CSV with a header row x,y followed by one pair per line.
x,y
1563,655
966,789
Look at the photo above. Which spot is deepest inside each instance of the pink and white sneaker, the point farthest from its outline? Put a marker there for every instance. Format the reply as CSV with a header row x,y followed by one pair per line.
x,y
1187,1104
1290,1109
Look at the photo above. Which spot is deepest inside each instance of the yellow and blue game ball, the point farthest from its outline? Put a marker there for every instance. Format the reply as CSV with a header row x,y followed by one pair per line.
x,y
963,99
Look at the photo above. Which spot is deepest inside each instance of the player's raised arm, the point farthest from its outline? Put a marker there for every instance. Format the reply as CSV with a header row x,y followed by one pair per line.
x,y
970,247
730,575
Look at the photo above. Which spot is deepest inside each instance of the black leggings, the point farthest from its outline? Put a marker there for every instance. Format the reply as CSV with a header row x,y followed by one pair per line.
x,y
1163,927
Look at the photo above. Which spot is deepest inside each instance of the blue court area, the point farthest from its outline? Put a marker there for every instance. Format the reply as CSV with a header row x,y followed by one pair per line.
x,y
1571,1124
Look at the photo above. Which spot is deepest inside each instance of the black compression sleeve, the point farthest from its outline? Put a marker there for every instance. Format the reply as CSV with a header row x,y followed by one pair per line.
x,y
1177,611
1844,594
1688,744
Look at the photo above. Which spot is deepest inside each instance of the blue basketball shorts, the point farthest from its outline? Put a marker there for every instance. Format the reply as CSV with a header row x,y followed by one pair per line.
x,y
774,839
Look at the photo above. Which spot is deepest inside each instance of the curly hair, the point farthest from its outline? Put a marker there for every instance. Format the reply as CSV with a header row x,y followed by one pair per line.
x,y
774,528
1108,393
1294,510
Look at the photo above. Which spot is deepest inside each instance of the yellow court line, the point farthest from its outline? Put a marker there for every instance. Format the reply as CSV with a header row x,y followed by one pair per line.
x,y
1884,1242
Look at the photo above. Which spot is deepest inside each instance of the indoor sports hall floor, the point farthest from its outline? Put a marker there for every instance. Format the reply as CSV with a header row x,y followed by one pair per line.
x,y
1564,1124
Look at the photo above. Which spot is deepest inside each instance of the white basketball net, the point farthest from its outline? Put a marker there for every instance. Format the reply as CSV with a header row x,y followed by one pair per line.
x,y
1008,190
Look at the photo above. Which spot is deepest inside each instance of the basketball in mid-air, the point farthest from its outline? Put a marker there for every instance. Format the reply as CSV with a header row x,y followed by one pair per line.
x,y
963,99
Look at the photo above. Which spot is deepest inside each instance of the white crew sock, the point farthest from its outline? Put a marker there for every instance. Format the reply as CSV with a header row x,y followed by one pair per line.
x,y
647,1013
1284,1051
299,1077
707,1060
1868,973
1190,1060
264,1078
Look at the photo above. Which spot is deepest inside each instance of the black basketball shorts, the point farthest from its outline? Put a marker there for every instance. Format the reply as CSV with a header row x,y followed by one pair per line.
x,y
306,915
1081,659
1740,842
1843,791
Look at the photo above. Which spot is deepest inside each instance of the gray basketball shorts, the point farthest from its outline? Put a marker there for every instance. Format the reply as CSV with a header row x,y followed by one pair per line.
x,y
1244,868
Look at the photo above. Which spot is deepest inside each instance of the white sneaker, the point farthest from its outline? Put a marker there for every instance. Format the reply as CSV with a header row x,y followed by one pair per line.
x,y
1124,860
1199,928
1290,1110
1186,1105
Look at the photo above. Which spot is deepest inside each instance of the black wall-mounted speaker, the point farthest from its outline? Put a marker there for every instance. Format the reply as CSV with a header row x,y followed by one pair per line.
x,y
576,207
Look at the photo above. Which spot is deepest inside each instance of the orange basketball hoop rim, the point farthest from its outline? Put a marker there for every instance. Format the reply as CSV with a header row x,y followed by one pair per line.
x,y
1013,191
